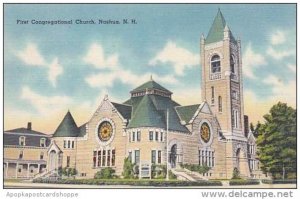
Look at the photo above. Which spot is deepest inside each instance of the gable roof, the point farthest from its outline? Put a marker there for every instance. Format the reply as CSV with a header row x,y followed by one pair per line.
x,y
150,85
123,109
146,115
67,127
186,113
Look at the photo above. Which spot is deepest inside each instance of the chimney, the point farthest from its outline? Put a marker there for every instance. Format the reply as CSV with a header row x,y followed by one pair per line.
x,y
29,126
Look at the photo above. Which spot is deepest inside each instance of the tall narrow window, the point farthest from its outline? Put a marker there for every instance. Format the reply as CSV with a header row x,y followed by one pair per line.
x,y
138,136
137,156
68,161
153,156
232,64
21,155
108,158
103,157
22,141
220,104
158,157
73,144
69,144
133,136
161,136
94,158
129,136
150,135
65,143
113,157
99,158
41,155
215,64
212,95
156,135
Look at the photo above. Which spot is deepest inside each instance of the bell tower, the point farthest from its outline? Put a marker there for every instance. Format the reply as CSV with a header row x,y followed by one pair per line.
x,y
222,86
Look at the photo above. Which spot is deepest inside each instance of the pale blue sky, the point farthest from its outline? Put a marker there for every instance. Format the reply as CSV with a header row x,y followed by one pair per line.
x,y
49,65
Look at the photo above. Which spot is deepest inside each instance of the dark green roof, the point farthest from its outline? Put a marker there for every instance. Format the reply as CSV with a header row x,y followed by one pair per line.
x,y
82,130
146,115
152,85
187,112
123,109
216,32
154,107
67,128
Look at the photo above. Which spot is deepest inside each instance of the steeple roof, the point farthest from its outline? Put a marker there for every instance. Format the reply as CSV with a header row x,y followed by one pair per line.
x,y
216,32
67,127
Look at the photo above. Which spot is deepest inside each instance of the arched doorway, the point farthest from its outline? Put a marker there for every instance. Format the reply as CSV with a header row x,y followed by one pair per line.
x,y
53,160
173,156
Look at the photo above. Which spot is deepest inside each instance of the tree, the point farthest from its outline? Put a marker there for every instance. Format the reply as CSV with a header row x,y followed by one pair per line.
x,y
254,129
128,171
277,141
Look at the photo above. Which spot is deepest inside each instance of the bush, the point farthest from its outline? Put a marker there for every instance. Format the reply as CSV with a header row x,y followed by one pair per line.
x,y
236,174
128,172
172,176
243,182
195,167
287,181
67,171
132,182
158,171
106,173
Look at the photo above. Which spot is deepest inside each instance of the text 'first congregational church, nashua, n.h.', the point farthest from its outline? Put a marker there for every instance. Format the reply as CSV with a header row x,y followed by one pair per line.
x,y
151,128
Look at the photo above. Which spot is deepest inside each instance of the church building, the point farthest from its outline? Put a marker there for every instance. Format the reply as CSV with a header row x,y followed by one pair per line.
x,y
151,128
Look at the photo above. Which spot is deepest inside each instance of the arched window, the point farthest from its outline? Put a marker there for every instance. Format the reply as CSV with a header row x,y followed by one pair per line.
x,y
232,64
215,64
220,103
22,141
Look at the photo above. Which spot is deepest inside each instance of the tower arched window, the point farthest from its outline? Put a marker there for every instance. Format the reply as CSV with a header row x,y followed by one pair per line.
x,y
220,103
232,63
215,64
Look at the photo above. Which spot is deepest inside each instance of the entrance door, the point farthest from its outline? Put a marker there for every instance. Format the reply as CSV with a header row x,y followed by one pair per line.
x,y
238,154
173,156
53,160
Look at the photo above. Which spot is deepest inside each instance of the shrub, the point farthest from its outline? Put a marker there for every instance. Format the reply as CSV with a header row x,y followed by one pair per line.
x,y
287,181
132,182
243,182
195,167
106,173
236,174
128,169
67,171
172,176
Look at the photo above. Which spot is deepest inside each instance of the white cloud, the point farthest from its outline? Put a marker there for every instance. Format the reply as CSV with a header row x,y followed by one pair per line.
x,y
44,105
32,57
282,91
279,37
279,54
55,69
252,61
107,79
179,57
292,67
96,57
